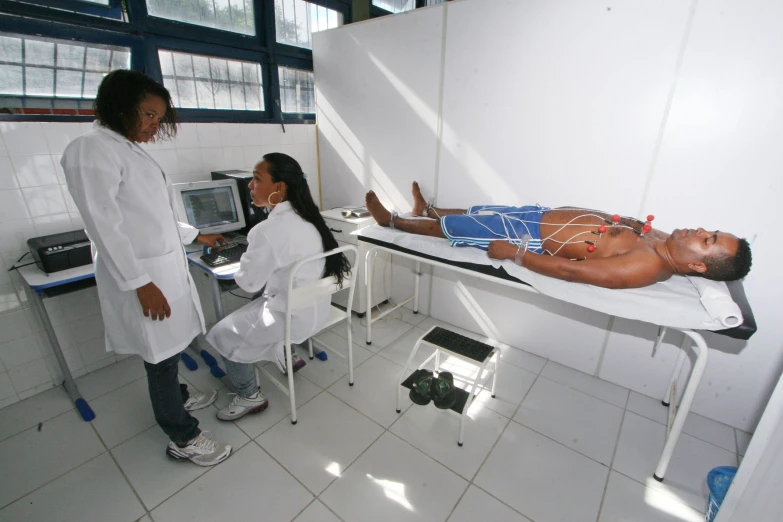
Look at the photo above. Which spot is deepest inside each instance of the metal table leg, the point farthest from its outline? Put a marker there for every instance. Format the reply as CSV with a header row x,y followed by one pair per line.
x,y
368,266
218,302
699,366
69,385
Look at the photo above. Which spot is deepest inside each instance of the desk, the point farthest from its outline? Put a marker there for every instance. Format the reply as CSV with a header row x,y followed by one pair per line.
x,y
216,274
39,281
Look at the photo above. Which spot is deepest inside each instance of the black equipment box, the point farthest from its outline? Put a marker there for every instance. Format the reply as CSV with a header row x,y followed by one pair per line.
x,y
253,214
60,251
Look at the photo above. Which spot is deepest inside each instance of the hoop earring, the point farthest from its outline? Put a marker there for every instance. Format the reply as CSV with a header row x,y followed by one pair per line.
x,y
269,199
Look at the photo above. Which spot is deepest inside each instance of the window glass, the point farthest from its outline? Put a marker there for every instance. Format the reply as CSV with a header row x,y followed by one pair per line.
x,y
229,15
297,94
207,82
296,20
395,6
39,73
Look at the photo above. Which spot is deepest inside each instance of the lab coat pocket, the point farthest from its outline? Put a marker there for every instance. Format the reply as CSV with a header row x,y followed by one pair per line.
x,y
167,275
168,337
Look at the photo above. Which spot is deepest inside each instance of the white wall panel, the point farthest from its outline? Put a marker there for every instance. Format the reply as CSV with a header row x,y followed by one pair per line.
x,y
557,103
720,167
377,90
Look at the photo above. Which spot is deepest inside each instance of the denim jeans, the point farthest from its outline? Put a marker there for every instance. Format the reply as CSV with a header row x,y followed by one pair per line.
x,y
168,397
243,377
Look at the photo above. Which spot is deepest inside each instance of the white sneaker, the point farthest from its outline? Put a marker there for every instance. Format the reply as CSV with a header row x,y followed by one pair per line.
x,y
242,406
297,362
198,400
202,450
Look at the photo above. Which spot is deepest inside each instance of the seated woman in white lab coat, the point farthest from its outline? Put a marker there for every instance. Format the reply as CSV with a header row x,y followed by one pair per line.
x,y
294,230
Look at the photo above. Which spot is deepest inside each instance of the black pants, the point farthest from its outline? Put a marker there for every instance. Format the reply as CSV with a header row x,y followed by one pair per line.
x,y
168,397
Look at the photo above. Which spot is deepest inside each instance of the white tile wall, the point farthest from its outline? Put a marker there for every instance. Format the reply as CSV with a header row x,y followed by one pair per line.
x,y
35,201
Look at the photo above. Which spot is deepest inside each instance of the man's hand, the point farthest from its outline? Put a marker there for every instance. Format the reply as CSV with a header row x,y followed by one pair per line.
x,y
501,250
211,240
153,302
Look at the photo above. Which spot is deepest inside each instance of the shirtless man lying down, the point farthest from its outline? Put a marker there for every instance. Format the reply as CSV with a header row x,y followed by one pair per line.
x,y
576,244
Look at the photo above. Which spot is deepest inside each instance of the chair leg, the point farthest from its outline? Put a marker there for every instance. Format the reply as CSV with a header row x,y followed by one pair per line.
x,y
495,375
310,347
350,349
687,399
290,368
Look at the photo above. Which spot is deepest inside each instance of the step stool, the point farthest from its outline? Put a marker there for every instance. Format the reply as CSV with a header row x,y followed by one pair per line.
x,y
463,348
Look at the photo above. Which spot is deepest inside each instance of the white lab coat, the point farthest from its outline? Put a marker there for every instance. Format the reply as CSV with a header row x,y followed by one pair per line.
x,y
256,331
126,203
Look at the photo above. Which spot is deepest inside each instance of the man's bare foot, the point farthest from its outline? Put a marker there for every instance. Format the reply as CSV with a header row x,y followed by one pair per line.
x,y
419,203
377,210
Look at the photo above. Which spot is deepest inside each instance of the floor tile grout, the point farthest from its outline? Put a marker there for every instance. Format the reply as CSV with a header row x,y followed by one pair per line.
x,y
122,471
320,390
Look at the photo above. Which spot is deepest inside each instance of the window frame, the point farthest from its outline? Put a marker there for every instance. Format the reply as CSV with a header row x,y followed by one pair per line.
x,y
145,33
376,11
113,10
79,34
293,116
218,115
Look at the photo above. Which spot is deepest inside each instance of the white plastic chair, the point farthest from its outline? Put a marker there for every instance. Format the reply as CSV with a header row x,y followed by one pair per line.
x,y
304,296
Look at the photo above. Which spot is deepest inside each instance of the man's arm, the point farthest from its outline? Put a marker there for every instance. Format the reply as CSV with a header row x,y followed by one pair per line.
x,y
632,270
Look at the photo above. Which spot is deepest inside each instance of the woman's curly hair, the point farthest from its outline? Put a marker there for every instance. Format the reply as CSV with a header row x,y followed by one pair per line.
x,y
118,99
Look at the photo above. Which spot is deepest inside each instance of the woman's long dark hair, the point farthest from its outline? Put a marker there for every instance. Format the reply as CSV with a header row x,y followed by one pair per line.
x,y
119,95
282,167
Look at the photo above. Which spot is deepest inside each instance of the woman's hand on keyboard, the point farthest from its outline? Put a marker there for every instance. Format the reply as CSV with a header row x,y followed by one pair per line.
x,y
211,240
153,302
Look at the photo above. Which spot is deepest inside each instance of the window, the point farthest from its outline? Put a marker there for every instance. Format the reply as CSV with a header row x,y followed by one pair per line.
x,y
297,94
296,20
207,82
395,6
37,72
230,15
102,8
217,58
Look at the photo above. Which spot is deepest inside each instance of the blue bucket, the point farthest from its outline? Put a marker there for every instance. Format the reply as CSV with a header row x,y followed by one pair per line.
x,y
718,481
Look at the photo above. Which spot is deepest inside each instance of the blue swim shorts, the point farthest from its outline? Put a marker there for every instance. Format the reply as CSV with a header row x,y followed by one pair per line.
x,y
485,223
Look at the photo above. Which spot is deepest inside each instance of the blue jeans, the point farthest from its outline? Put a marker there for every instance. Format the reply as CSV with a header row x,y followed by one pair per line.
x,y
168,398
243,377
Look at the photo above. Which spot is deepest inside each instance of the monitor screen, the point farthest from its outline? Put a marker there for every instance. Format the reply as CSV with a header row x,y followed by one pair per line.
x,y
213,207
210,207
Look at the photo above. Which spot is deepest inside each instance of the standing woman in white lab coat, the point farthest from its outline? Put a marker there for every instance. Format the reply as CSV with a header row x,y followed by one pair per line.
x,y
148,299
293,231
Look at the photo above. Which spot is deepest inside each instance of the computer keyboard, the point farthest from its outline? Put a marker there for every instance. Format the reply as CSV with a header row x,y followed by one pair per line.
x,y
224,256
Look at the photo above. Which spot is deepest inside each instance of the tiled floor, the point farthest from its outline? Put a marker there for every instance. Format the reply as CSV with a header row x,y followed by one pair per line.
x,y
555,444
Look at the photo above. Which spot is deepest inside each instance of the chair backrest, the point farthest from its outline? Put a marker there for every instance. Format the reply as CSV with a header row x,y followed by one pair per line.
x,y
306,294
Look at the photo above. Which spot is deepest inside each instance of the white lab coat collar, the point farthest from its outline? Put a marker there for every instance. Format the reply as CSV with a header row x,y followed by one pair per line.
x,y
113,134
135,147
283,206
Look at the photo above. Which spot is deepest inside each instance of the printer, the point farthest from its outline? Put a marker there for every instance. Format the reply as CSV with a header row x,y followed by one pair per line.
x,y
60,251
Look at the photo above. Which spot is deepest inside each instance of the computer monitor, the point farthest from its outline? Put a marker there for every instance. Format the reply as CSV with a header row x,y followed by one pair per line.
x,y
213,207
